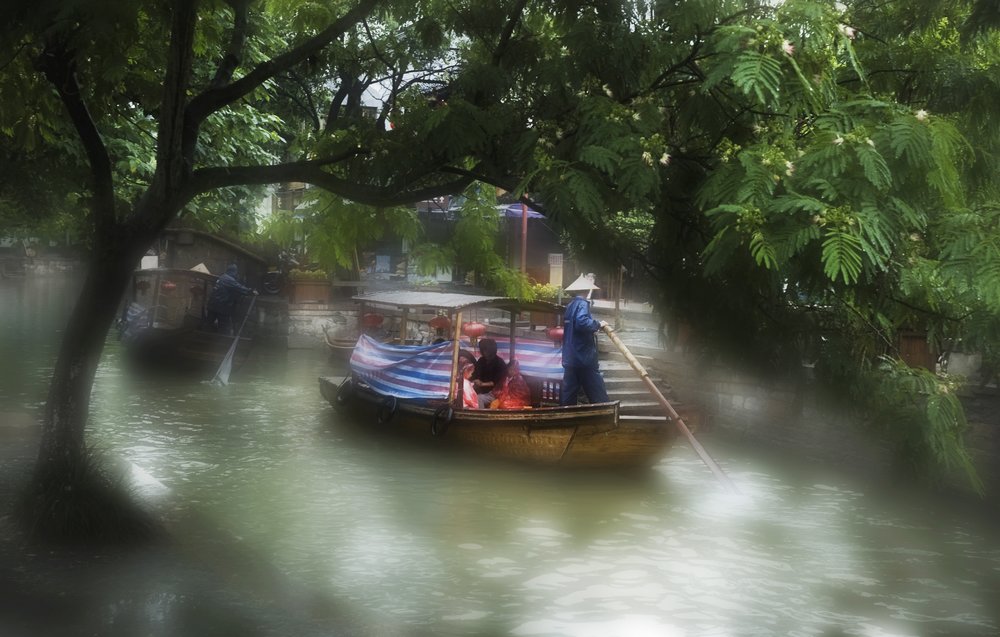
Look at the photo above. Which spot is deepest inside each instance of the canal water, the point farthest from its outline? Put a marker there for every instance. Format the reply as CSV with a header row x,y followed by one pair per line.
x,y
447,545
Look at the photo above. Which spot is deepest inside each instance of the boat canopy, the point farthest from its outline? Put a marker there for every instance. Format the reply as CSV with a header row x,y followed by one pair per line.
x,y
424,371
453,301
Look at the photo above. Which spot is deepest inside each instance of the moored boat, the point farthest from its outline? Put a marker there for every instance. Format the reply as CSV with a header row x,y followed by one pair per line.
x,y
411,390
163,325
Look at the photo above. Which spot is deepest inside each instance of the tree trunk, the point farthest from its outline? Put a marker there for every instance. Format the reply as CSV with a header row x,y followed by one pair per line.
x,y
63,452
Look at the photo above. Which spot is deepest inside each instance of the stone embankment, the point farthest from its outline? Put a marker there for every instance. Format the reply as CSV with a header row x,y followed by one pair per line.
x,y
789,415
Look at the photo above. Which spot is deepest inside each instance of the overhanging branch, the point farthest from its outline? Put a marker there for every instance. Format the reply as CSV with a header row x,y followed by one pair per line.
x,y
57,64
311,172
234,51
508,32
213,99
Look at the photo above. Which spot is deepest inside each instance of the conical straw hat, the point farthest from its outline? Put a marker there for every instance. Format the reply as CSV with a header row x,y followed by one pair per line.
x,y
583,282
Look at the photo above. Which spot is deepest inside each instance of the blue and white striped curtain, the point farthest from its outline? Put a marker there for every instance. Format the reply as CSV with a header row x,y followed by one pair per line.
x,y
424,371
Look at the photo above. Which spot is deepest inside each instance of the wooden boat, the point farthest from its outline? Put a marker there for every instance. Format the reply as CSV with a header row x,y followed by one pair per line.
x,y
342,348
163,325
392,399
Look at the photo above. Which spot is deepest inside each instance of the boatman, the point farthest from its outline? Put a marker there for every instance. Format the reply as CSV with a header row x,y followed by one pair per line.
x,y
222,301
579,346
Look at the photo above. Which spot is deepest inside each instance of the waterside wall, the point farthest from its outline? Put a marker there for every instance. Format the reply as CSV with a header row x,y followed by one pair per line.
x,y
792,415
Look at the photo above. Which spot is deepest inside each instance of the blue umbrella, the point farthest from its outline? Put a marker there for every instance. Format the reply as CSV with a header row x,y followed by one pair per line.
x,y
514,210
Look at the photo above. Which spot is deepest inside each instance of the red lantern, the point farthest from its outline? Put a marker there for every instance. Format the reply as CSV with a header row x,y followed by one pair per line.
x,y
556,334
440,322
372,319
473,329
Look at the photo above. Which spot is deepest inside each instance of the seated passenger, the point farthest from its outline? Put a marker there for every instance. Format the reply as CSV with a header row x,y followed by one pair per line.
x,y
470,399
490,372
465,358
515,394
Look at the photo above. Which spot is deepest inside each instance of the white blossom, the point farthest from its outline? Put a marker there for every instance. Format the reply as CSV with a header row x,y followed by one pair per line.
x,y
848,32
647,157
789,168
838,140
788,47
665,159
607,91
922,115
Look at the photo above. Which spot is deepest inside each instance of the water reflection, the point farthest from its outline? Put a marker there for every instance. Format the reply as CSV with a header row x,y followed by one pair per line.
x,y
454,545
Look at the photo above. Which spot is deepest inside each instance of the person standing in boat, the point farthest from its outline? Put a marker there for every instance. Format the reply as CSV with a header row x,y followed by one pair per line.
x,y
579,346
222,302
489,373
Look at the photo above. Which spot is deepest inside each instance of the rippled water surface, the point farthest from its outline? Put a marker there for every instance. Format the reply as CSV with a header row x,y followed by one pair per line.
x,y
452,545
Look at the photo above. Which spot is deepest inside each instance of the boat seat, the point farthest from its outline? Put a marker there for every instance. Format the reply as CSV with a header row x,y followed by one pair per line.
x,y
543,392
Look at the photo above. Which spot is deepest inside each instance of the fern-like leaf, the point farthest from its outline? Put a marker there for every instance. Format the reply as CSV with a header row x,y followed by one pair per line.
x,y
759,75
600,158
842,256
585,194
876,170
762,250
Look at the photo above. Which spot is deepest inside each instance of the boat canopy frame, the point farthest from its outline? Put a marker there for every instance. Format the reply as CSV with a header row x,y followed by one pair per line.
x,y
453,303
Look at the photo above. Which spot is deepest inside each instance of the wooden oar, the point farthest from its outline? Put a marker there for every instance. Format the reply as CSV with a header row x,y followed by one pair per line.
x,y
674,416
222,376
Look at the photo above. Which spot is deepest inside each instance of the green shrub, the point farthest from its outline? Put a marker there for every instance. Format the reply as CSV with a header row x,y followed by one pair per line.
x,y
308,275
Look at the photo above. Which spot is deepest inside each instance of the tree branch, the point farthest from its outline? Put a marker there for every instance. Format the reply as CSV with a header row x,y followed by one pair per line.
x,y
213,99
173,161
14,57
508,32
59,67
333,113
234,51
307,107
311,172
507,183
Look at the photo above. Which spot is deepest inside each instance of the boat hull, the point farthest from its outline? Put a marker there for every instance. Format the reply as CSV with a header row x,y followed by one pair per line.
x,y
583,436
185,349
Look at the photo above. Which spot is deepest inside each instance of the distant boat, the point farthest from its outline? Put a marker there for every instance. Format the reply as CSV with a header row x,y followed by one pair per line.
x,y
163,325
410,389
342,347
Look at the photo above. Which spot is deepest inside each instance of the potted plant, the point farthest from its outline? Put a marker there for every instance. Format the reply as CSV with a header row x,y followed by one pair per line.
x,y
308,286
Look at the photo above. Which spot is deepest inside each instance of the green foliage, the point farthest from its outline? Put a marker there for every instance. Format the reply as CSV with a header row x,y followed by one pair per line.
x,y
781,172
472,247
332,230
924,416
758,75
546,292
296,274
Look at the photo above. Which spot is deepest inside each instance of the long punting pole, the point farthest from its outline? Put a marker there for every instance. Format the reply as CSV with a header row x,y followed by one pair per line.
x,y
653,389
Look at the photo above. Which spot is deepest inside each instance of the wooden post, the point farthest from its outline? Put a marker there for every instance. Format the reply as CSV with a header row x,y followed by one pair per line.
x,y
457,345
618,297
403,325
524,238
513,326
